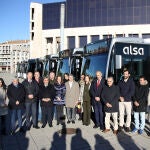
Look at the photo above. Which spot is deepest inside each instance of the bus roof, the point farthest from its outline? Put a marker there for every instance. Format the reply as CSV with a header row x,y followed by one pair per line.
x,y
128,40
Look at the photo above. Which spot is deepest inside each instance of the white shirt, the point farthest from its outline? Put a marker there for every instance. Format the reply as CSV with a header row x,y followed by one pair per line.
x,y
70,84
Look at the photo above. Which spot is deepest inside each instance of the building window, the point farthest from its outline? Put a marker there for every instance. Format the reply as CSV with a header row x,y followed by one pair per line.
x,y
133,35
120,35
82,40
32,36
49,40
32,12
58,44
145,36
32,25
94,38
107,36
71,42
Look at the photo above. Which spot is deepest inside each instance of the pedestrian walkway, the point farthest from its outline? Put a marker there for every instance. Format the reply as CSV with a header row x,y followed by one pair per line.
x,y
85,138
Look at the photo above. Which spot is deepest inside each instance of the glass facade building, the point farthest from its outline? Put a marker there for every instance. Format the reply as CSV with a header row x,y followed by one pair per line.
x,y
87,13
51,16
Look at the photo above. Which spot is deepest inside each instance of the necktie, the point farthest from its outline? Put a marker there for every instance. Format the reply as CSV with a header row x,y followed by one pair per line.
x,y
98,83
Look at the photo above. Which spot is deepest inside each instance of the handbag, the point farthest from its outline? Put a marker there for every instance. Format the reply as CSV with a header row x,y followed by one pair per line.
x,y
78,108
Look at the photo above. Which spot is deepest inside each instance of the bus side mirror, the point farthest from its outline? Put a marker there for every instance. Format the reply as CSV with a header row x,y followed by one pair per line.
x,y
118,62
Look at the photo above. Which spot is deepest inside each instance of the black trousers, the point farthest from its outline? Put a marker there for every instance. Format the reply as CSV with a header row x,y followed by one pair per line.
x,y
47,114
86,112
59,112
3,121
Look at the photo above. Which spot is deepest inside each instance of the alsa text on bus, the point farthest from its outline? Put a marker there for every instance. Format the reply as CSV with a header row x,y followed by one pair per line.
x,y
130,50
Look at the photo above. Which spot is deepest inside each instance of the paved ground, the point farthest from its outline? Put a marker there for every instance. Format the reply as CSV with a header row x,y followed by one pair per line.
x,y
86,138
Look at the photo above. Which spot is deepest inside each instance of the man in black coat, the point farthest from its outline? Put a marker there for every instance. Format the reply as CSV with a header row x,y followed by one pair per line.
x,y
127,89
39,81
110,97
140,104
96,90
16,96
47,94
31,89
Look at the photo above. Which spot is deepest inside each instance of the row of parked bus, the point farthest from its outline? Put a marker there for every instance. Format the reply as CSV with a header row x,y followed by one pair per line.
x,y
110,56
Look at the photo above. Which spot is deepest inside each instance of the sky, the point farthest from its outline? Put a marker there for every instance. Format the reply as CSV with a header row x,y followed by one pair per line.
x,y
14,18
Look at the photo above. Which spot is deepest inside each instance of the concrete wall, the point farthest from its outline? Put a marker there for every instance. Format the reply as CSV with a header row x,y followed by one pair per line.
x,y
36,30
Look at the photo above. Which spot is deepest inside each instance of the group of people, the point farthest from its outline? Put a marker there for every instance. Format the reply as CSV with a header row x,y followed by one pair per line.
x,y
43,99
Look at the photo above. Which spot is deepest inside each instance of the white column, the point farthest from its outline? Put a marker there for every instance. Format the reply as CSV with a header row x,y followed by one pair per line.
x,y
24,55
100,36
77,41
28,55
62,21
11,61
54,50
20,56
140,34
15,67
88,39
126,34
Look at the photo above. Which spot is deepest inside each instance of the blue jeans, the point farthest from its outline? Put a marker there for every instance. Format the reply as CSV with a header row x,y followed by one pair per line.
x,y
31,109
39,111
139,123
14,113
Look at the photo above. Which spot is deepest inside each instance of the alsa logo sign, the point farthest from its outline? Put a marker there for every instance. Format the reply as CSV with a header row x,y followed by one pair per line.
x,y
130,50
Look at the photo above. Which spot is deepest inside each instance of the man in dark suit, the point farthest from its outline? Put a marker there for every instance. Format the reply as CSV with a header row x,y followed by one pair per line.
x,y
96,90
32,91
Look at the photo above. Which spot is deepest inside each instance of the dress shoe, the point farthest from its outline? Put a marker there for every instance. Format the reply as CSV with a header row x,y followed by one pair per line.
x,y
128,129
43,126
21,130
102,128
68,122
50,125
28,128
134,130
36,127
95,126
115,132
120,128
87,124
12,132
73,122
141,131
106,130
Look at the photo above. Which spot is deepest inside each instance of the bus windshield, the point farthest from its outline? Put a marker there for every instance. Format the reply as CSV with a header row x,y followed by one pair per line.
x,y
135,58
50,65
63,66
95,57
93,63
